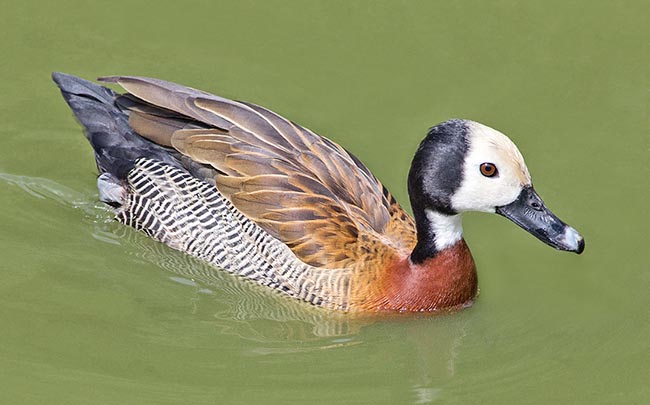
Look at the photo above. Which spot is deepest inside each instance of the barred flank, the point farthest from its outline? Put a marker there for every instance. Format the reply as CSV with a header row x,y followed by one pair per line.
x,y
190,215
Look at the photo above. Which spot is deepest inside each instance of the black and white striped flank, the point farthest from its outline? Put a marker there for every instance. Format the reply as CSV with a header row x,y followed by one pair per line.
x,y
172,206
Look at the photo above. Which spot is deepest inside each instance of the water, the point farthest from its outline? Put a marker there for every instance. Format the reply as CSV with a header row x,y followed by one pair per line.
x,y
93,312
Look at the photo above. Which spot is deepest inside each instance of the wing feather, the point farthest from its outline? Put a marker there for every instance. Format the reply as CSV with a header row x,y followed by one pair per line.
x,y
300,187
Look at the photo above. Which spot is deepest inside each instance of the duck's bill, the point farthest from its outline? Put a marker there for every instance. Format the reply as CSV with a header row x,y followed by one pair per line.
x,y
529,212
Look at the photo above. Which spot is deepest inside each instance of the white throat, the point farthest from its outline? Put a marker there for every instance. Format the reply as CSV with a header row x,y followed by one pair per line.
x,y
448,229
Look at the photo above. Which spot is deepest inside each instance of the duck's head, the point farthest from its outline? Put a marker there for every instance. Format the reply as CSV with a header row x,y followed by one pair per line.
x,y
465,166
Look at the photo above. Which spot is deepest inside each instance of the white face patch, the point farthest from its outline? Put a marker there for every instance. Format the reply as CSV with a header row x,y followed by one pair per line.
x,y
480,193
448,229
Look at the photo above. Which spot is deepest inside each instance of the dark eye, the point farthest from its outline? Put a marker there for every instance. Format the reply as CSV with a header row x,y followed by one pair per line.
x,y
489,169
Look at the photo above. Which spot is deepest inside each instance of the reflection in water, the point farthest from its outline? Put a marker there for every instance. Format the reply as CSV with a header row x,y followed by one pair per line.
x,y
436,349
425,395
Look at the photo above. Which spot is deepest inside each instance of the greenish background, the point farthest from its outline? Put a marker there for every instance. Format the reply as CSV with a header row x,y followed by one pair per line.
x,y
93,312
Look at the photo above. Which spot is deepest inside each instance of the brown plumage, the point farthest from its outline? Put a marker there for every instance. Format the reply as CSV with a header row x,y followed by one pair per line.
x,y
302,188
295,211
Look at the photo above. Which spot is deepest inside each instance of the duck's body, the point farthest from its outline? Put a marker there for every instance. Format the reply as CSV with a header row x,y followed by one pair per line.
x,y
253,193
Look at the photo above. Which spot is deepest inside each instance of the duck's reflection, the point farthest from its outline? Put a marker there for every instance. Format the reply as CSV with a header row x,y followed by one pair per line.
x,y
436,345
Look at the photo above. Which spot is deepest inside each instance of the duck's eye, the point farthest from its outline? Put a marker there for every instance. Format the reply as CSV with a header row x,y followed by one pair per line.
x,y
489,169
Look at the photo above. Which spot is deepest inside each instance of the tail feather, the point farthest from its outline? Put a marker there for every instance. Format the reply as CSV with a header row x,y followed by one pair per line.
x,y
107,128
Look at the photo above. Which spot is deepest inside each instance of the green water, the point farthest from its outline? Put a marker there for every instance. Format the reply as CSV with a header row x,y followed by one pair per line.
x,y
93,312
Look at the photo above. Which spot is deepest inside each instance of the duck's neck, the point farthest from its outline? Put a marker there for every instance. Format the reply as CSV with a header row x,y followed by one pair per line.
x,y
436,232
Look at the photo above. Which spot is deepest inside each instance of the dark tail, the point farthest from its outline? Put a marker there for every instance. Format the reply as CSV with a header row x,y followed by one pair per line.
x,y
107,128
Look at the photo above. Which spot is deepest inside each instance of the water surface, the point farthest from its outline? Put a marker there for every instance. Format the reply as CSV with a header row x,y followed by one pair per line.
x,y
94,312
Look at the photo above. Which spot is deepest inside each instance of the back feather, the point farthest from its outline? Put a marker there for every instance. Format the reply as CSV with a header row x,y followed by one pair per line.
x,y
302,188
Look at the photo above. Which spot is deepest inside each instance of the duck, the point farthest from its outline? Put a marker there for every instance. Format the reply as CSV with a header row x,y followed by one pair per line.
x,y
257,195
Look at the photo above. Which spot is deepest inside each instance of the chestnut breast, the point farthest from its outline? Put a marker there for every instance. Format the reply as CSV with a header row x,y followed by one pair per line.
x,y
445,281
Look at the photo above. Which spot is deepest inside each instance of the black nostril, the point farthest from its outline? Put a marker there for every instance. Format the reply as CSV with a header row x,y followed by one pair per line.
x,y
536,206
